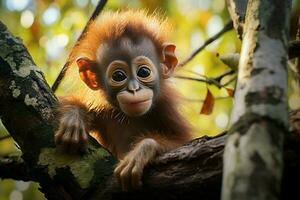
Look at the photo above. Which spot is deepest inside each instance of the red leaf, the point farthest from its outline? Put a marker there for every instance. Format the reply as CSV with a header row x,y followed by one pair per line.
x,y
208,103
230,92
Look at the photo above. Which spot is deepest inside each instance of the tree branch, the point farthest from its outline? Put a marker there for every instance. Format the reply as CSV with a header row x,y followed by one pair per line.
x,y
210,80
195,171
226,28
202,100
191,171
293,51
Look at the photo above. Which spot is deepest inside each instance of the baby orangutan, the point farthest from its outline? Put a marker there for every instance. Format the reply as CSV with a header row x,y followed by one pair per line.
x,y
128,103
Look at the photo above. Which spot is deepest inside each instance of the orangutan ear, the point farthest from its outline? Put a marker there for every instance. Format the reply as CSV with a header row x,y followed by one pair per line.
x,y
87,72
169,60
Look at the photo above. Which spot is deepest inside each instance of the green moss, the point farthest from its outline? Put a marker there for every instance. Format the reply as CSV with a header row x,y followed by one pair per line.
x,y
82,167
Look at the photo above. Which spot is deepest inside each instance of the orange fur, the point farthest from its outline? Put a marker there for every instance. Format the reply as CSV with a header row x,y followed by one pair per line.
x,y
135,141
111,25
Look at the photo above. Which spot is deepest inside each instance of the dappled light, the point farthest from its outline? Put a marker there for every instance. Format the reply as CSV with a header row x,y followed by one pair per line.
x,y
206,83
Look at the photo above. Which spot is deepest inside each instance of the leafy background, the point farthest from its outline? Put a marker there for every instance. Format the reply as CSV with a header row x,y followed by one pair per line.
x,y
49,28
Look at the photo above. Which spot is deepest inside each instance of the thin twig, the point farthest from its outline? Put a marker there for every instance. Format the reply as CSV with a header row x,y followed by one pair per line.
x,y
63,71
227,27
211,81
229,81
219,78
5,137
192,72
202,100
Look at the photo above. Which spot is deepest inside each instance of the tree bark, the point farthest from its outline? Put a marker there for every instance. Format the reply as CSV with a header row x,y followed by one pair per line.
x,y
27,110
253,154
237,11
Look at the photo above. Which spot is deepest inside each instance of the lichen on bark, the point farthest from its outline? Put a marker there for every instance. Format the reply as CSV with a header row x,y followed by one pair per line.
x,y
81,167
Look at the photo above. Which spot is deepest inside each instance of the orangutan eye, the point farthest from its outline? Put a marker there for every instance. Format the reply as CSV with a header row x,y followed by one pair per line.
x,y
143,72
119,76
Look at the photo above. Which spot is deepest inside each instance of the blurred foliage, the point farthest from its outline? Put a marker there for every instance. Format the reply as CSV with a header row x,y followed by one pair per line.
x,y
50,27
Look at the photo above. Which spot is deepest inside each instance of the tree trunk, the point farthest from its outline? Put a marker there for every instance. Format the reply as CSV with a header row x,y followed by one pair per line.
x,y
253,154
